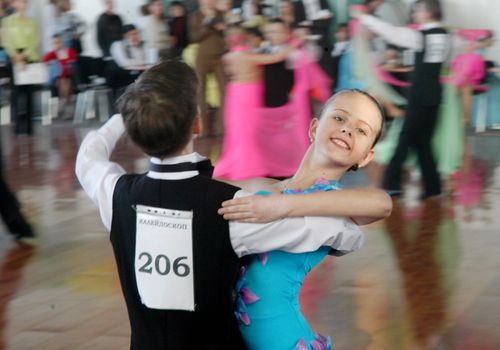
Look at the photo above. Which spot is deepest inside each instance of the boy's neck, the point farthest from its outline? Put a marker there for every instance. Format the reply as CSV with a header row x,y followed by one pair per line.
x,y
431,20
186,150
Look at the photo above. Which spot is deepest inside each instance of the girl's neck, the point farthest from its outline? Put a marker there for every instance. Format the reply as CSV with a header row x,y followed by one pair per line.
x,y
312,168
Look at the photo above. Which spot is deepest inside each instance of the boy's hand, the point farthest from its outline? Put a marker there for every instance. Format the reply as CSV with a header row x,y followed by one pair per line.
x,y
357,11
254,209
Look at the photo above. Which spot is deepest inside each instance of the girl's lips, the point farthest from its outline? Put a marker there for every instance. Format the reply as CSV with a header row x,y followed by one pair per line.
x,y
341,143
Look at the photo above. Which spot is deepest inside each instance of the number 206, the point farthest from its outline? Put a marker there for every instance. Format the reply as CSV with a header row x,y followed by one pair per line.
x,y
163,266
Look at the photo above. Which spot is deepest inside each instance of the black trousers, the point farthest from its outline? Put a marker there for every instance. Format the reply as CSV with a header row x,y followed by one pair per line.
x,y
22,108
416,135
10,210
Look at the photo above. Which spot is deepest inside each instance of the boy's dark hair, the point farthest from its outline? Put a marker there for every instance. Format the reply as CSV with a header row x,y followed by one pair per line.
x,y
56,36
144,9
277,20
369,96
433,6
177,3
342,25
128,28
159,108
255,31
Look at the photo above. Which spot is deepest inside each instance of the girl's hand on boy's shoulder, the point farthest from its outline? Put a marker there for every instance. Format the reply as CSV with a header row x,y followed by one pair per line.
x,y
254,209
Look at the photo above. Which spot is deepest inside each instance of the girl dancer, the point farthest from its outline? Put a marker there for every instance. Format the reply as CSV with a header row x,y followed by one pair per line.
x,y
341,139
468,69
240,157
284,121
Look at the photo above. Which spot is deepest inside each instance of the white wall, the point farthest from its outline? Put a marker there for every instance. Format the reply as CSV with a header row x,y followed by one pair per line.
x,y
89,11
458,13
483,14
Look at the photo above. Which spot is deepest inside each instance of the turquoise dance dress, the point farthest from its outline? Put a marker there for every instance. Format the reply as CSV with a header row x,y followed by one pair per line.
x,y
267,305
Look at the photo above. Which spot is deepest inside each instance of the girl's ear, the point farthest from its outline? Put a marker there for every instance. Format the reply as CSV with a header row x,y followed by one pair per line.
x,y
313,126
367,159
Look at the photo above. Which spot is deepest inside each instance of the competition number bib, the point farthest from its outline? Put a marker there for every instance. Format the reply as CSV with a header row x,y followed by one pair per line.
x,y
164,258
437,48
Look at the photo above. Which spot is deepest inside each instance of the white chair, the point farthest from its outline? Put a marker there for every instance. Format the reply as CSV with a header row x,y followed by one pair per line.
x,y
482,112
94,100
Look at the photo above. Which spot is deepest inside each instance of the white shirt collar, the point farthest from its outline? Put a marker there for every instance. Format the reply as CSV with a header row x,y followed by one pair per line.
x,y
431,25
185,158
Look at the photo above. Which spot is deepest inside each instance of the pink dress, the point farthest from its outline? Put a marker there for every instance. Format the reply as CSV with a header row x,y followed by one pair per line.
x,y
282,135
263,142
240,157
468,69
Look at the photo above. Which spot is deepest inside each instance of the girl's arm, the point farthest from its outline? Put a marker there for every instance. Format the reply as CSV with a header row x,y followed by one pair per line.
x,y
263,59
364,206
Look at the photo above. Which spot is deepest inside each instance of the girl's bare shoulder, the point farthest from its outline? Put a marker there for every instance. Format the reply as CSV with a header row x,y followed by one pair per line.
x,y
258,184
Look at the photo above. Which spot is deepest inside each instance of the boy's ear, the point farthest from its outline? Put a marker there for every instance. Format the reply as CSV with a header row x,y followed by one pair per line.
x,y
367,159
197,127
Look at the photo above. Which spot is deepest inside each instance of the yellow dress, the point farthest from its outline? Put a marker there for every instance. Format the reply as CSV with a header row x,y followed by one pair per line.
x,y
212,93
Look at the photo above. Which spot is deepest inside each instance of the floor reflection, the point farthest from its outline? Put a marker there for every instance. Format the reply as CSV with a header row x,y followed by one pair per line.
x,y
11,272
426,279
418,239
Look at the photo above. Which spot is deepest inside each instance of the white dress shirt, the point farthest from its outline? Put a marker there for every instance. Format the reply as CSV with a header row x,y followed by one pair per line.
x,y
98,177
393,11
314,11
407,37
340,48
136,58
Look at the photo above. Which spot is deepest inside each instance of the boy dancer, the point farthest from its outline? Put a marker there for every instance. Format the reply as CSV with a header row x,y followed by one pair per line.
x,y
432,45
177,258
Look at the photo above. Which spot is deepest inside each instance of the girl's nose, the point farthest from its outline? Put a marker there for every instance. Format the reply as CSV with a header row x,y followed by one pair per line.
x,y
347,131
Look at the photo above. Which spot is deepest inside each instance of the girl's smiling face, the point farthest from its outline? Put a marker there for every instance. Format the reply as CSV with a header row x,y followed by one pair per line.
x,y
347,129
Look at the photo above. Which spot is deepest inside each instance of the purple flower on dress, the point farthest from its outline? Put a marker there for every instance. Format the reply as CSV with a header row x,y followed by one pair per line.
x,y
263,258
301,345
244,297
320,343
320,184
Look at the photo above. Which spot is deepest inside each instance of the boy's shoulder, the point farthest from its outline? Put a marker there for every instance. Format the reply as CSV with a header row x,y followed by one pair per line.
x,y
206,182
216,183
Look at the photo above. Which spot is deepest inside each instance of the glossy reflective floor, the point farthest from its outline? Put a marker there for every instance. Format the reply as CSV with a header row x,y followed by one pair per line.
x,y
427,278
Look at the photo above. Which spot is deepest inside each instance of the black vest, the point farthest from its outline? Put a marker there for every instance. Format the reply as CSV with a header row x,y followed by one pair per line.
x,y
278,83
427,87
212,325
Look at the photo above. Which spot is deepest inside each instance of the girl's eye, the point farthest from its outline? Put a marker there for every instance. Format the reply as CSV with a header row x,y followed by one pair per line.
x,y
361,131
338,118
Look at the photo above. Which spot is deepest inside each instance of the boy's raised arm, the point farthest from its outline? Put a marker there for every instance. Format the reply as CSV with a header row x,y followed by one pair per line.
x,y
400,36
96,173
